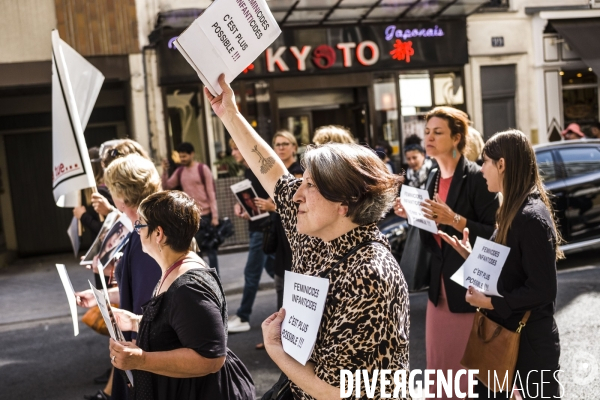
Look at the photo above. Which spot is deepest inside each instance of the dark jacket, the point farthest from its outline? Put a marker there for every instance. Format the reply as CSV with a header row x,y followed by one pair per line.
x,y
469,197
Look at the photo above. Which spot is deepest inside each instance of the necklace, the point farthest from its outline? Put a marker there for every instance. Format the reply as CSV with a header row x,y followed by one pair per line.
x,y
176,264
437,184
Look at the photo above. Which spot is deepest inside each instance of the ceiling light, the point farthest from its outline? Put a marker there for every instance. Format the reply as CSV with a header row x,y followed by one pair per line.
x,y
579,75
562,73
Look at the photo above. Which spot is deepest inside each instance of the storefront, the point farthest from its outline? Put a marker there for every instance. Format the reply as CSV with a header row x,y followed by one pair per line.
x,y
377,79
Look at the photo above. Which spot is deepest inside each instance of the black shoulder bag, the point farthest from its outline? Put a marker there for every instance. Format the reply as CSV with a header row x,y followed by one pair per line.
x,y
282,389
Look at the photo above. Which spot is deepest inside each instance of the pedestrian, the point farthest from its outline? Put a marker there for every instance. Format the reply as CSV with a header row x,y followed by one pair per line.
x,y
528,282
475,145
285,146
197,181
130,179
418,164
257,259
572,132
384,151
460,200
181,348
595,130
330,215
332,133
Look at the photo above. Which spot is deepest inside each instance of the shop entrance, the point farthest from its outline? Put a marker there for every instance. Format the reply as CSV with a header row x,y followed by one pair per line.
x,y
303,112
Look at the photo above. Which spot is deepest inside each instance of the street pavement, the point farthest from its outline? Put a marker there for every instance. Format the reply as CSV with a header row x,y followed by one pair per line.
x,y
40,358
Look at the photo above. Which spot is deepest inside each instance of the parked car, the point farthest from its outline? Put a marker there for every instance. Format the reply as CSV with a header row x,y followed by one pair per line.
x,y
571,172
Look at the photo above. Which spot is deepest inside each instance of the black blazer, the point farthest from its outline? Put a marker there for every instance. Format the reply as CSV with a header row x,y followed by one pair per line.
x,y
469,197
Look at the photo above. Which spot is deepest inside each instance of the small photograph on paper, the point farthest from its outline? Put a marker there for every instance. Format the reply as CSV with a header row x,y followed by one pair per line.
x,y
113,241
94,249
245,195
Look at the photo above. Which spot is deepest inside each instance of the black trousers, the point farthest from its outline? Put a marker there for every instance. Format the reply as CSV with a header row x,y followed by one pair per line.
x,y
537,368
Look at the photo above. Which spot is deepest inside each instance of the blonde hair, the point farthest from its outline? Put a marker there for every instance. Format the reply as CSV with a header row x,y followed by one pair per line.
x,y
284,134
132,178
122,148
332,133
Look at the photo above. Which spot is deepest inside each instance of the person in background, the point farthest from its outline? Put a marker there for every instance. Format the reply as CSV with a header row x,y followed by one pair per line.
x,y
196,179
384,151
181,348
286,146
595,130
460,200
418,165
330,215
332,133
528,282
476,143
130,179
257,259
572,132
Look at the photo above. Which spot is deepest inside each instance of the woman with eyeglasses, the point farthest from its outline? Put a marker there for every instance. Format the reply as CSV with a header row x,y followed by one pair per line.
x,y
330,218
181,349
130,179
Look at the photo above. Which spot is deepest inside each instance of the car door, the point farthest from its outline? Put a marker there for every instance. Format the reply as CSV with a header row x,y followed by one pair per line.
x,y
552,174
581,168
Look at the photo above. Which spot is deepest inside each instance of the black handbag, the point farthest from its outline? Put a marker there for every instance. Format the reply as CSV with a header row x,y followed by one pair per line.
x,y
211,237
416,259
270,241
280,391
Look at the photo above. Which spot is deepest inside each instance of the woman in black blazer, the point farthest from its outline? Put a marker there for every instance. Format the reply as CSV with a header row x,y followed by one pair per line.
x,y
460,201
528,282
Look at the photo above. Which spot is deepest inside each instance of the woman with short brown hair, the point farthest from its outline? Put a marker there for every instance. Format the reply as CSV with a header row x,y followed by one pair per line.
x,y
181,349
459,202
330,219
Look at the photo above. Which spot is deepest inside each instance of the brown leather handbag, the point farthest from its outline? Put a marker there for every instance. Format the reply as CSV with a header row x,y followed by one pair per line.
x,y
493,350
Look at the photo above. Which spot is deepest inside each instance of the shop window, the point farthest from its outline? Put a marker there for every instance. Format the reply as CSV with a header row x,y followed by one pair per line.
x,y
448,89
416,101
580,97
386,119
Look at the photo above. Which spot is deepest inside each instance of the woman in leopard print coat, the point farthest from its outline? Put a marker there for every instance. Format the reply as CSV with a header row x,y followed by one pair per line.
x,y
345,190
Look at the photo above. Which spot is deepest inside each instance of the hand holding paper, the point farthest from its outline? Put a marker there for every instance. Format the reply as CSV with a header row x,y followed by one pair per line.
x,y
482,268
412,199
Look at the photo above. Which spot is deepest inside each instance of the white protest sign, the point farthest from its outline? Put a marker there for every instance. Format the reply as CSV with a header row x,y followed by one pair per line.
x,y
483,267
111,324
76,84
66,282
304,301
412,198
227,38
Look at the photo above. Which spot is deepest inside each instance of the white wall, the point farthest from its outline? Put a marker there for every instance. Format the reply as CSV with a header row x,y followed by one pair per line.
x,y
25,27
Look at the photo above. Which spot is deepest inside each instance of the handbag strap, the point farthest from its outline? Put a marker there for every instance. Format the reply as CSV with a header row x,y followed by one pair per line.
x,y
523,321
351,252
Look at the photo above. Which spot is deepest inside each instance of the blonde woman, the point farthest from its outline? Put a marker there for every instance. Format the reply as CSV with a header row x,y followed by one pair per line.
x,y
332,133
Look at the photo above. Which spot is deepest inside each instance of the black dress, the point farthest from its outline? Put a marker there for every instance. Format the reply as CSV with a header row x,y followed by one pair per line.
x,y
192,313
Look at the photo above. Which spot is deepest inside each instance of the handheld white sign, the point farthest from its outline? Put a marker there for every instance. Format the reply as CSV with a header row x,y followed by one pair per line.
x,y
111,324
483,267
68,286
226,39
76,84
304,301
412,198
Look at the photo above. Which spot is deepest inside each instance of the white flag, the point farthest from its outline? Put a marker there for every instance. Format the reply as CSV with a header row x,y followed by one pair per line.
x,y
75,87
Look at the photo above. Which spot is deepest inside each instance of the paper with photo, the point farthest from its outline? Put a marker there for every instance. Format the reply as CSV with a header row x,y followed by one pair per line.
x,y
71,298
226,39
111,323
412,198
245,195
483,267
304,300
94,249
115,239
73,233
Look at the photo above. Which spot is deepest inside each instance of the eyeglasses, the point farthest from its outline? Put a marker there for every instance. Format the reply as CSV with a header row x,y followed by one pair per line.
x,y
286,144
137,225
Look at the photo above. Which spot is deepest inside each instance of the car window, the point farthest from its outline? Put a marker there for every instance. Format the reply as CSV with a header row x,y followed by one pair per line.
x,y
546,166
580,160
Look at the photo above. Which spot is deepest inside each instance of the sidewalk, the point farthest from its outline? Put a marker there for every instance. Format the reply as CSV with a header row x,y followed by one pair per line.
x,y
31,291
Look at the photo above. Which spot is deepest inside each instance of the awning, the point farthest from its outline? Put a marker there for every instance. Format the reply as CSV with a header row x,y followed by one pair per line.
x,y
582,35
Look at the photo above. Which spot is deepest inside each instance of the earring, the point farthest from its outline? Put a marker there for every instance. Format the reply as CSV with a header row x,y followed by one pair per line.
x,y
454,152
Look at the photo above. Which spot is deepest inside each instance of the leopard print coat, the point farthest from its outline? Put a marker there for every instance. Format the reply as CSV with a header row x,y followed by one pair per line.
x,y
366,322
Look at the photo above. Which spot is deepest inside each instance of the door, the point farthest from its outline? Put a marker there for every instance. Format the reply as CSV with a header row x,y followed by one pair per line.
x,y
40,225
